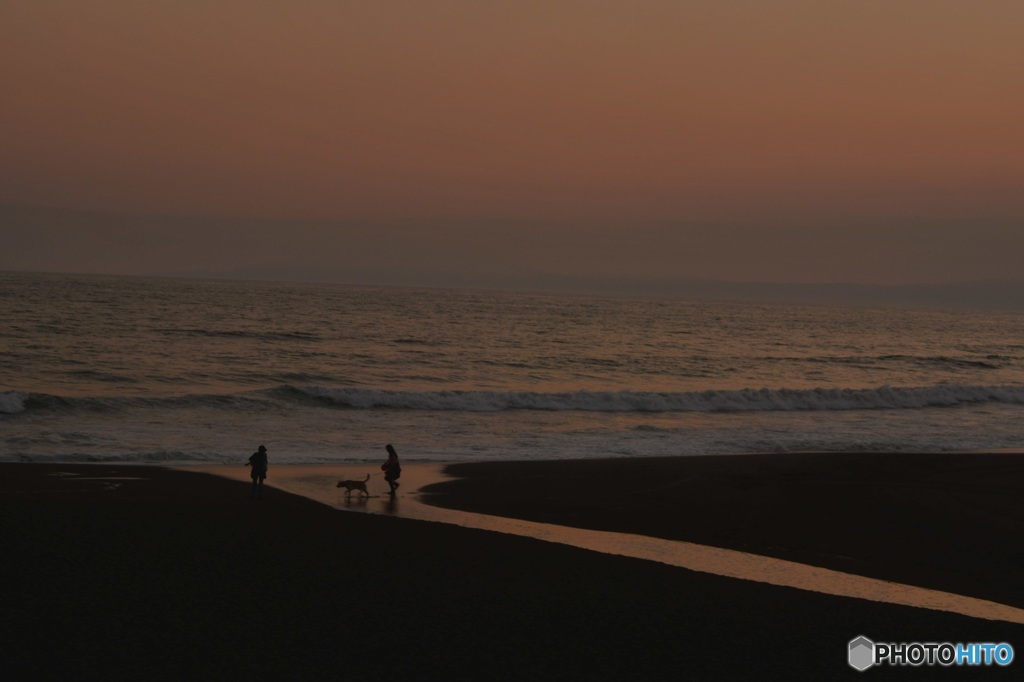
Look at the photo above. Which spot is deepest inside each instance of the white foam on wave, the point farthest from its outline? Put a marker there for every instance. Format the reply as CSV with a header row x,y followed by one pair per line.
x,y
744,400
169,457
12,402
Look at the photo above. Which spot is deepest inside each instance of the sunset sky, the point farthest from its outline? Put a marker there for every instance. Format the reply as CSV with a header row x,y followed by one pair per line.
x,y
870,141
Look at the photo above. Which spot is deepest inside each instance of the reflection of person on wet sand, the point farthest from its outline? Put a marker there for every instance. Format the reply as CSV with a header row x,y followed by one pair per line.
x,y
392,469
258,462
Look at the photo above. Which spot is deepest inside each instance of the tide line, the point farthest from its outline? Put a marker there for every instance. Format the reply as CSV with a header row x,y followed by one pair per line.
x,y
317,483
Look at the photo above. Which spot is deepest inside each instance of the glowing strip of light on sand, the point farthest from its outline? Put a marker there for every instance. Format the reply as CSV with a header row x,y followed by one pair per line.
x,y
317,482
763,569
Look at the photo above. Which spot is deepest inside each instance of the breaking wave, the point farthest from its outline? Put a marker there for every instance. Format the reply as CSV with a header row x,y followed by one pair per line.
x,y
746,400
16,402
12,402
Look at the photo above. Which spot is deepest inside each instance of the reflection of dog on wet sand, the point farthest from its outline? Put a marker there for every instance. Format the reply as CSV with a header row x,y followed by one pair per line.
x,y
355,485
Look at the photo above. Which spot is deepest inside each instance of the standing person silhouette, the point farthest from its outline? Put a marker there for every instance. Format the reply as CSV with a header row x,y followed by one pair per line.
x,y
258,462
392,469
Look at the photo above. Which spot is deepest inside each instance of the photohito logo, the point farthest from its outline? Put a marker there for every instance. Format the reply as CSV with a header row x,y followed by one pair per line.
x,y
863,653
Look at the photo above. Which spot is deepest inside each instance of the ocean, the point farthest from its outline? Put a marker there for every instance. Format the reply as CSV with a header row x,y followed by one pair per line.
x,y
150,370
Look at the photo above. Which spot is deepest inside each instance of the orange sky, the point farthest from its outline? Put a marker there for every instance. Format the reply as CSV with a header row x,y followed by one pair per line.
x,y
558,110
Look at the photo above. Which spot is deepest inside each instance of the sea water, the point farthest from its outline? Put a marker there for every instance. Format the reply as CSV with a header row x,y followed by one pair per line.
x,y
97,368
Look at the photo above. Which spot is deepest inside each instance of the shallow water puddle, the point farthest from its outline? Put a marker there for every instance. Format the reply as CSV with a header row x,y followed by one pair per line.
x,y
318,483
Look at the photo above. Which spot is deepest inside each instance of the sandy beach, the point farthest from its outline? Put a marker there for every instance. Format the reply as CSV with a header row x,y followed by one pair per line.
x,y
138,571
945,522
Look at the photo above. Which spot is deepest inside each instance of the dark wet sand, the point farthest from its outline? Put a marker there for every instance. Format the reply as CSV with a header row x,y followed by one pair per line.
x,y
180,575
950,522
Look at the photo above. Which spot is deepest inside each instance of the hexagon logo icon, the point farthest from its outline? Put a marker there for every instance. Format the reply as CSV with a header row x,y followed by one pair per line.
x,y
862,653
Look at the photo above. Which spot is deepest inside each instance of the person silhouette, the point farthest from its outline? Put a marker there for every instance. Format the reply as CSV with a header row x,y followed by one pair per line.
x,y
258,462
392,469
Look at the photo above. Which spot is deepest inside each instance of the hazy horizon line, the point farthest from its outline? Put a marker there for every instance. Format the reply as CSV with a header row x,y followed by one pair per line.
x,y
993,294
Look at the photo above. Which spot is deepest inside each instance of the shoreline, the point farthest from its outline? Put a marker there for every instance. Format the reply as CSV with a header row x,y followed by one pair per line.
x,y
939,521
132,570
576,525
930,520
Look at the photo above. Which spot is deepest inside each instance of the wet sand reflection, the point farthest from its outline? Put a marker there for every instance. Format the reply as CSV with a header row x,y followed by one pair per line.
x,y
318,483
